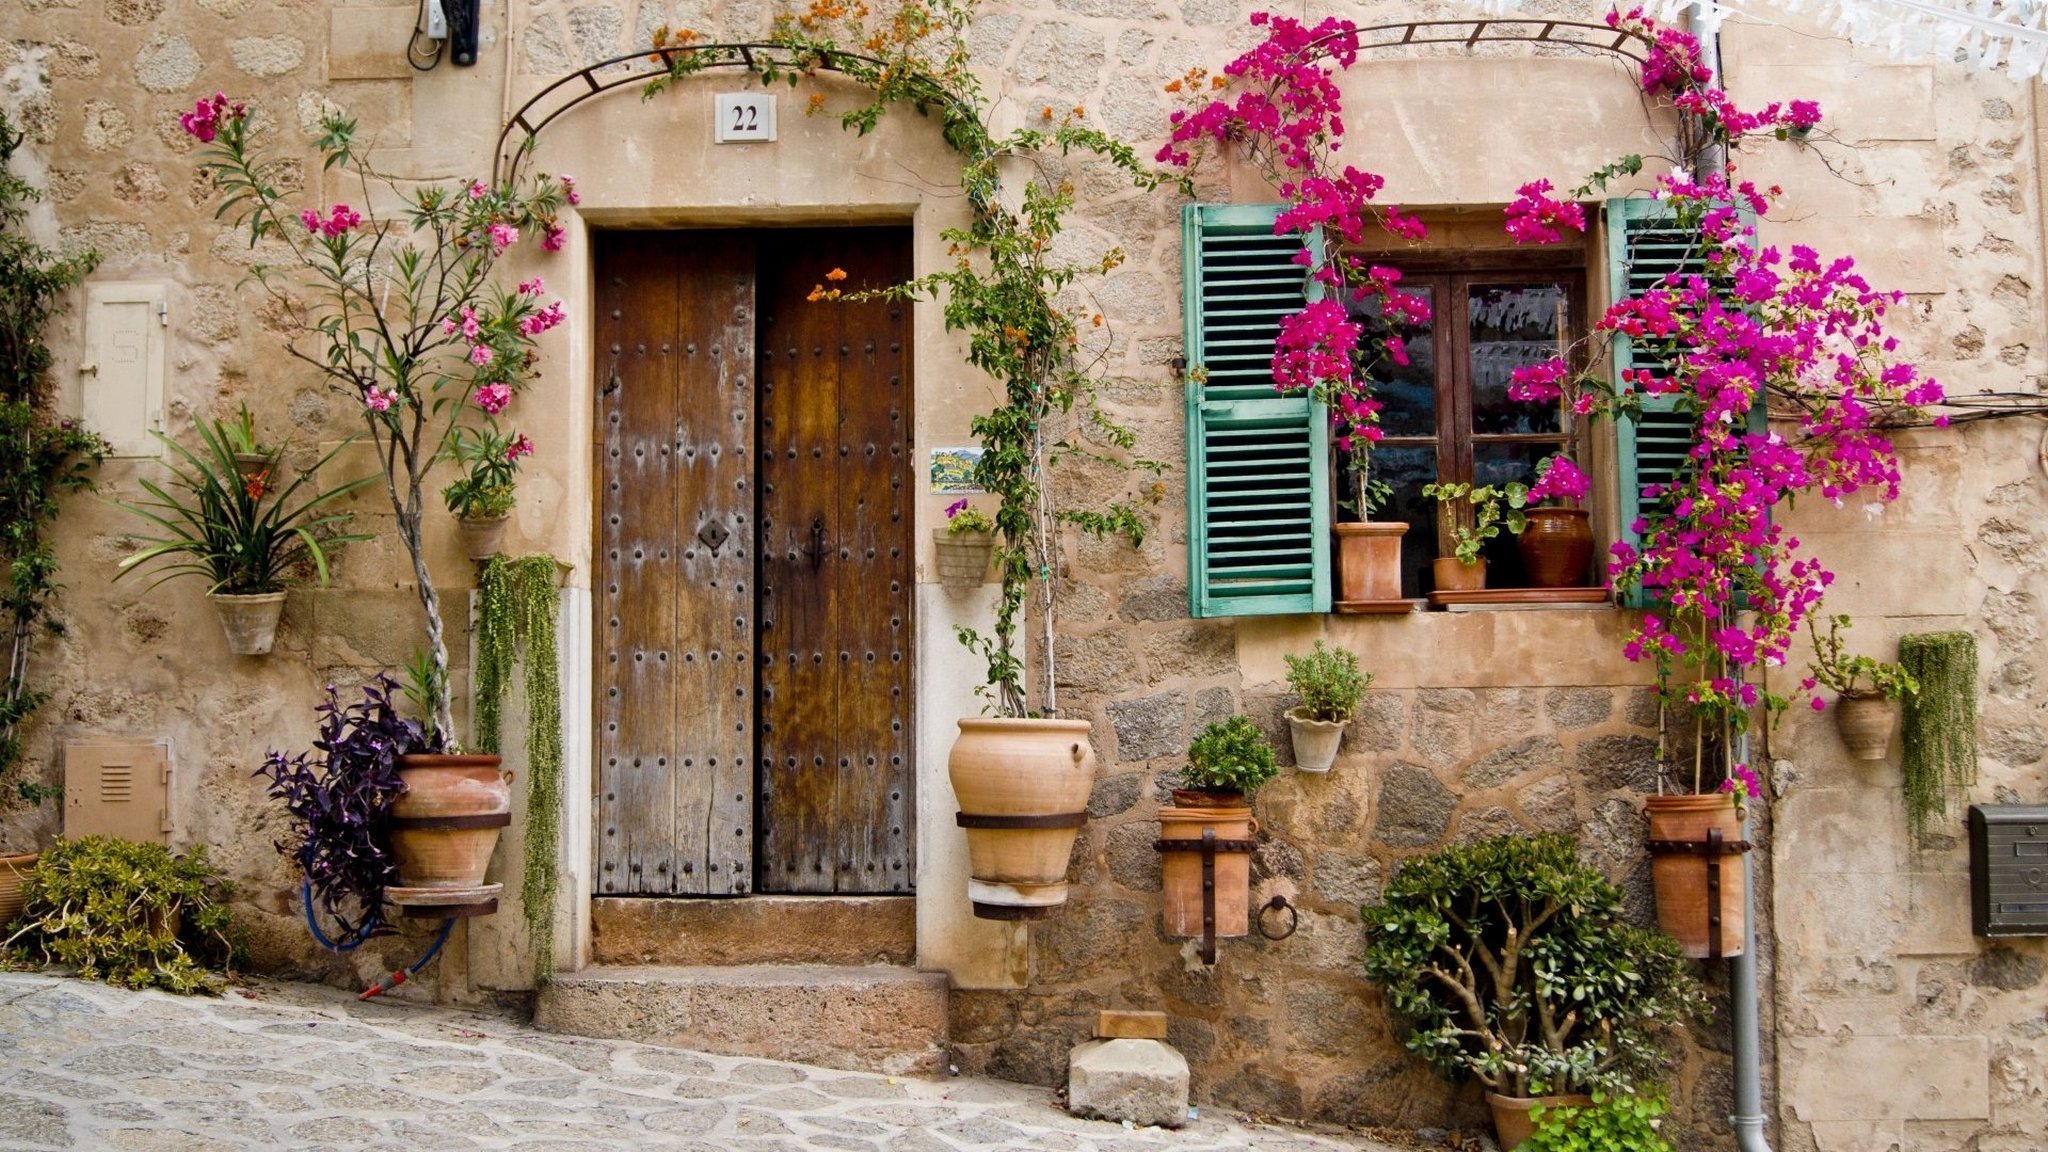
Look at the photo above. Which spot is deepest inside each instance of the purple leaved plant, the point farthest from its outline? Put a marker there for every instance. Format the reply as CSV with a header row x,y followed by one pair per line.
x,y
337,796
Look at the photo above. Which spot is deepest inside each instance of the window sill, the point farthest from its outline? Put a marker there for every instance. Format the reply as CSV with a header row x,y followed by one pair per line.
x,y
1523,600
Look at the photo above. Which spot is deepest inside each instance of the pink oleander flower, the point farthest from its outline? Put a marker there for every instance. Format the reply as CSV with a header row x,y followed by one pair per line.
x,y
493,397
477,190
543,320
552,237
310,219
378,401
448,326
203,121
470,326
520,446
503,236
481,355
569,189
530,287
340,220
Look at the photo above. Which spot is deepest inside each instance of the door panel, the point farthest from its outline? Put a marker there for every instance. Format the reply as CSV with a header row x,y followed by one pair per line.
x,y
835,763
675,563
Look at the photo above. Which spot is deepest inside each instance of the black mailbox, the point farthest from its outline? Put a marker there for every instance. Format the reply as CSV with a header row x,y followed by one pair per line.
x,y
2009,870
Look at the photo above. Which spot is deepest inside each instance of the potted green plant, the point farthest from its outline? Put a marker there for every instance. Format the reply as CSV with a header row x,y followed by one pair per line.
x,y
1368,550
481,498
964,546
1492,509
1330,684
1509,961
249,537
1870,692
253,458
1227,762
1613,1122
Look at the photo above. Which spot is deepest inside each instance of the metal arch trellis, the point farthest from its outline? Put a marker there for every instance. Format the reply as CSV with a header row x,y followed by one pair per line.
x,y
767,60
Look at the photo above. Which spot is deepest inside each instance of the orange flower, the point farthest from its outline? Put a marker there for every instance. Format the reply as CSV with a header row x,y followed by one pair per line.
x,y
817,103
1079,112
1096,320
1171,85
836,275
1046,112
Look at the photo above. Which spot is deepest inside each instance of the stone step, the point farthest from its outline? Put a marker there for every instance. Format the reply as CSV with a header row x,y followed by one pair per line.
x,y
872,1018
843,930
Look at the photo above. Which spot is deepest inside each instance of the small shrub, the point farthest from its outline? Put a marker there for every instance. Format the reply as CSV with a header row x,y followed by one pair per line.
x,y
127,913
1229,756
1616,1122
1329,682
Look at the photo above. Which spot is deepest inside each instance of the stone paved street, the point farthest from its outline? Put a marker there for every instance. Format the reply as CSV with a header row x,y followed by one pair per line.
x,y
273,1065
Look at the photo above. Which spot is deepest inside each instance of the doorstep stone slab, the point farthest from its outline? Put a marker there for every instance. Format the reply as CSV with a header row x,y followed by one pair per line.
x,y
1141,1082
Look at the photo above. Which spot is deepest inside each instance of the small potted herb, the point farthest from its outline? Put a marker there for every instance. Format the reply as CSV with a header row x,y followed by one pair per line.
x,y
1492,509
249,536
1227,762
482,498
1871,691
1330,685
964,546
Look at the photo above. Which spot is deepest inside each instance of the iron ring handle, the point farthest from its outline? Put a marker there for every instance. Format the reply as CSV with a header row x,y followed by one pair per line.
x,y
1279,904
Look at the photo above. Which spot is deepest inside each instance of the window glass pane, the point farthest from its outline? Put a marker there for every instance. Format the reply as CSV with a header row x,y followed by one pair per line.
x,y
1407,392
1405,468
1510,325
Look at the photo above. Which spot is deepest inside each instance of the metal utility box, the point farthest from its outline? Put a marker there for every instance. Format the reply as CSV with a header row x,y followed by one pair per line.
x,y
118,789
2009,870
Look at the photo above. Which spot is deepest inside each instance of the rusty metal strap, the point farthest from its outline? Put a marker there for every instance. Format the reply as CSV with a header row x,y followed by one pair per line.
x,y
1698,847
1057,820
1205,845
430,823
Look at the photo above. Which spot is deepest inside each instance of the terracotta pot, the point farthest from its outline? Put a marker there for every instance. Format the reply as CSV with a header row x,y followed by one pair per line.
x,y
1369,560
1454,575
1023,788
963,557
1866,721
1556,547
1511,1121
446,822
250,622
1181,872
1681,877
482,536
1315,741
14,872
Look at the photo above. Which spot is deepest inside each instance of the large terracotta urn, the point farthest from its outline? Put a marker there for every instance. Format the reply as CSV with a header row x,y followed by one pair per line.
x,y
445,824
1023,787
1556,546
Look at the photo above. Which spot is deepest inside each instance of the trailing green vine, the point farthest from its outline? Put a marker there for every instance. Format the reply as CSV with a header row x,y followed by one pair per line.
x,y
515,604
1005,288
1940,730
41,457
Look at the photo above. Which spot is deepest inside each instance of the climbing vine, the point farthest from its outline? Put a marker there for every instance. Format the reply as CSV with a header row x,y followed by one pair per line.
x,y
515,603
1006,290
41,457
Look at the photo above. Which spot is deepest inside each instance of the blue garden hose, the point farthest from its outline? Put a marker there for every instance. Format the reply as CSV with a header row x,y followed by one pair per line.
x,y
353,940
400,976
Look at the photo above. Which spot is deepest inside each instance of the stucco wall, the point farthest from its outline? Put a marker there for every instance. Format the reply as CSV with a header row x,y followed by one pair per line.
x,y
1478,722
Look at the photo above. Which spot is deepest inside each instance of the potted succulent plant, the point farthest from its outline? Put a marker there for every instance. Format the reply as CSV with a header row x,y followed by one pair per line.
x,y
1871,692
249,536
964,546
1492,509
1330,684
1227,762
1511,963
481,498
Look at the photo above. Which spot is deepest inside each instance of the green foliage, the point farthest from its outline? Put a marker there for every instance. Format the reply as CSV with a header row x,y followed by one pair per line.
x,y
488,486
245,535
1229,756
1511,963
129,914
1328,680
240,433
1939,736
42,458
516,600
1845,674
1616,1122
1491,509
967,521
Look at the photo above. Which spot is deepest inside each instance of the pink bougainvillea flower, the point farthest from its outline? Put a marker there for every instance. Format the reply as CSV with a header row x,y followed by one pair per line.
x,y
520,446
481,355
1535,217
956,507
493,397
1562,480
378,401
1802,113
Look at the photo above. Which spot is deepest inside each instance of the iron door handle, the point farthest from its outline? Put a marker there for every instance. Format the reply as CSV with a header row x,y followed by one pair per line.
x,y
817,542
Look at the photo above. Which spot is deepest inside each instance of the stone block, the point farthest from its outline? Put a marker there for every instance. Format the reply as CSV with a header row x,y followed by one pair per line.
x,y
1144,1082
1125,1024
368,43
1874,1078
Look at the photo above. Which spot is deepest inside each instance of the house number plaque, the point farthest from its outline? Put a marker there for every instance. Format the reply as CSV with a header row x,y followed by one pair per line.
x,y
745,118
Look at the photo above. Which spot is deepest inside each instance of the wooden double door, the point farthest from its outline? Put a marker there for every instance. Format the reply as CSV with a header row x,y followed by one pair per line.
x,y
754,564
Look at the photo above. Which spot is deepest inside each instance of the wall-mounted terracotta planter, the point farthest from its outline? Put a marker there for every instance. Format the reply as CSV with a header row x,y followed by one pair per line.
x,y
482,536
249,622
1693,877
1181,869
1315,741
1023,788
1866,721
445,824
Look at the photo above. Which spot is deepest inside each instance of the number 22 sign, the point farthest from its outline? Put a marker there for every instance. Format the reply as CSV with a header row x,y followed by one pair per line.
x,y
745,117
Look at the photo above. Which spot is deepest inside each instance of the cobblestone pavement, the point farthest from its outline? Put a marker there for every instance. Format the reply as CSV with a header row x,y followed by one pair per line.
x,y
293,1066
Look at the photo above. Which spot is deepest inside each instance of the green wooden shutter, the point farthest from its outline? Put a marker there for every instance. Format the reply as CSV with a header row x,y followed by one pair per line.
x,y
1258,462
1644,245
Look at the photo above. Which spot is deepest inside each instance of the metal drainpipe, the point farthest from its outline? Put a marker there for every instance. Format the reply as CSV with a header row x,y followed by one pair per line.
x,y
1748,1120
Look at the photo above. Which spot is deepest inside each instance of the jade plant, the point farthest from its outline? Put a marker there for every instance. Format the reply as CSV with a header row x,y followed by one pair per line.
x,y
1510,963
1229,757
1329,682
137,915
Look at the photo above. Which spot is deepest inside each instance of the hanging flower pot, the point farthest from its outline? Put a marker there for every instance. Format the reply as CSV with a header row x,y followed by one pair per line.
x,y
1315,741
963,556
1695,861
1229,816
254,465
445,824
1369,561
1866,721
1556,546
482,536
250,622
1454,575
1023,788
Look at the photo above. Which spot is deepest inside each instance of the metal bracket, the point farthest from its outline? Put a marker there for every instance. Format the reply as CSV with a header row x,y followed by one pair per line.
x,y
1208,846
1055,820
1714,848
